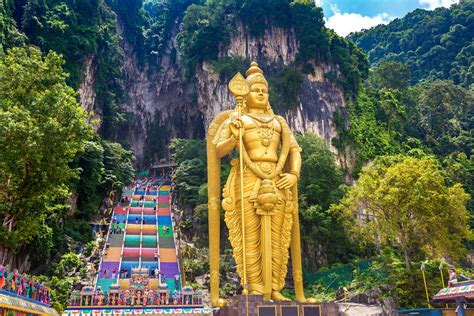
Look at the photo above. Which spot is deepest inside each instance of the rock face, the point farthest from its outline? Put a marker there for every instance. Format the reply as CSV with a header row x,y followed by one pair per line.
x,y
372,300
179,107
86,90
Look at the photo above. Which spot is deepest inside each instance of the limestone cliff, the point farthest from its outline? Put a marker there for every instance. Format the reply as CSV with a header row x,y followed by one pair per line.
x,y
159,96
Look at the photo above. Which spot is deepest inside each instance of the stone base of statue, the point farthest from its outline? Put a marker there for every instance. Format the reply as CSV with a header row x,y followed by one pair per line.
x,y
254,305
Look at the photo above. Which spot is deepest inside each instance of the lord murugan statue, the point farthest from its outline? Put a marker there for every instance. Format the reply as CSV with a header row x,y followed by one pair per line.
x,y
260,197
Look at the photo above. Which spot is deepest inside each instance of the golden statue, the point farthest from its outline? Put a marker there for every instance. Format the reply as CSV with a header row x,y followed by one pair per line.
x,y
263,224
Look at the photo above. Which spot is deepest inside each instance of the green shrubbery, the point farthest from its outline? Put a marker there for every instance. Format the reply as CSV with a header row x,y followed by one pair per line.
x,y
285,88
227,67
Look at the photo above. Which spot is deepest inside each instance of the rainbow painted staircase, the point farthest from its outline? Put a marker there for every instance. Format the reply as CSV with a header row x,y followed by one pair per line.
x,y
141,235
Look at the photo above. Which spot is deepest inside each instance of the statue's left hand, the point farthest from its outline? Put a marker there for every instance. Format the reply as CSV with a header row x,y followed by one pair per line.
x,y
286,181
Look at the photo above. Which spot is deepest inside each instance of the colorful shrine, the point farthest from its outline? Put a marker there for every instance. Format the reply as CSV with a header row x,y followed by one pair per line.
x,y
139,270
21,294
460,293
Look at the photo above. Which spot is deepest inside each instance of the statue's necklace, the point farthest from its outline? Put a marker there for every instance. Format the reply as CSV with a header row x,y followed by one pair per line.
x,y
265,129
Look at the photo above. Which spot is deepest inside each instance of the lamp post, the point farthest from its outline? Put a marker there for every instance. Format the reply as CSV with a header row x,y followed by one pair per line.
x,y
442,276
423,267
345,300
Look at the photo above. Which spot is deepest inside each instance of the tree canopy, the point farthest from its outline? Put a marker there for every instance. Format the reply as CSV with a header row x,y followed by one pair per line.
x,y
404,202
435,44
42,127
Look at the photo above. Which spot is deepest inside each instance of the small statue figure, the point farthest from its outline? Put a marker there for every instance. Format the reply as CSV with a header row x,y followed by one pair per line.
x,y
74,298
138,297
144,298
2,276
47,297
150,297
40,293
100,298
18,284
27,287
87,300
32,288
127,298
122,298
11,281
31,285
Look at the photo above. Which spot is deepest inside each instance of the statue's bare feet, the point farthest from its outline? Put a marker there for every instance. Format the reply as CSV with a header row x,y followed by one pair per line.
x,y
219,302
303,299
277,296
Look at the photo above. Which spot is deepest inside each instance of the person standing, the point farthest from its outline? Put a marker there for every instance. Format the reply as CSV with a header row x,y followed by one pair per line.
x,y
452,277
176,281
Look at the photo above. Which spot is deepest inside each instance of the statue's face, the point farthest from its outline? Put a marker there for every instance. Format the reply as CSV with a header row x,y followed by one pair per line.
x,y
258,96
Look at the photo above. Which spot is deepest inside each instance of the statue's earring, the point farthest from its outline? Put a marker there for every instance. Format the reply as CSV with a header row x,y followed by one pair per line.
x,y
244,107
269,109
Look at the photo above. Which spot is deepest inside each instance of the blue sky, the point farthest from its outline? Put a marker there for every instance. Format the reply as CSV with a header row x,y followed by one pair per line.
x,y
345,16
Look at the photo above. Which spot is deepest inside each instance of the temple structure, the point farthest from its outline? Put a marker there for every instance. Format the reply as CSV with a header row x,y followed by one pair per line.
x,y
139,270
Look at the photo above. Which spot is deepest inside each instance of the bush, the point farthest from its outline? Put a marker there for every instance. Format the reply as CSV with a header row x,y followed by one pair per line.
x,y
227,67
285,88
78,229
89,248
69,263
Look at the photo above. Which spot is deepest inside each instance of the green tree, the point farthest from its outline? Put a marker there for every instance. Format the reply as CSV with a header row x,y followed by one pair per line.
x,y
447,117
118,163
91,164
204,29
320,185
188,177
68,264
391,75
9,34
42,127
186,149
434,44
404,202
285,88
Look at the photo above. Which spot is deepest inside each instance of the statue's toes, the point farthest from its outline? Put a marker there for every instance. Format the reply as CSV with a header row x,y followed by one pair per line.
x,y
219,302
277,296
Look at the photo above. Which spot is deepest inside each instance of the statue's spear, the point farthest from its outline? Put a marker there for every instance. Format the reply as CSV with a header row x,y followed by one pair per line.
x,y
239,89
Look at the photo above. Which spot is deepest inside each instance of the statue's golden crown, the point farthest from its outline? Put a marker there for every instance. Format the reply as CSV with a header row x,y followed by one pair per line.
x,y
255,75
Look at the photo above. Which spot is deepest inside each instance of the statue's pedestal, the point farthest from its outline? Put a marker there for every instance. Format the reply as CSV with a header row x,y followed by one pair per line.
x,y
253,305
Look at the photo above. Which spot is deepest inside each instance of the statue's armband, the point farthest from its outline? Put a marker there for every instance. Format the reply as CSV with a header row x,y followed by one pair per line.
x,y
224,140
294,146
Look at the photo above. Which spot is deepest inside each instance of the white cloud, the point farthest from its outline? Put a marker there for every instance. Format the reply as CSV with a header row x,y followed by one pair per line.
x,y
345,23
433,4
319,3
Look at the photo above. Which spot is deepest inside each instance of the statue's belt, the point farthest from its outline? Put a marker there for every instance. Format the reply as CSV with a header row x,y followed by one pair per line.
x,y
264,166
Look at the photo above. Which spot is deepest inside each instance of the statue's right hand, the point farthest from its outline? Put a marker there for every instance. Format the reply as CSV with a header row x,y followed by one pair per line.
x,y
236,125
